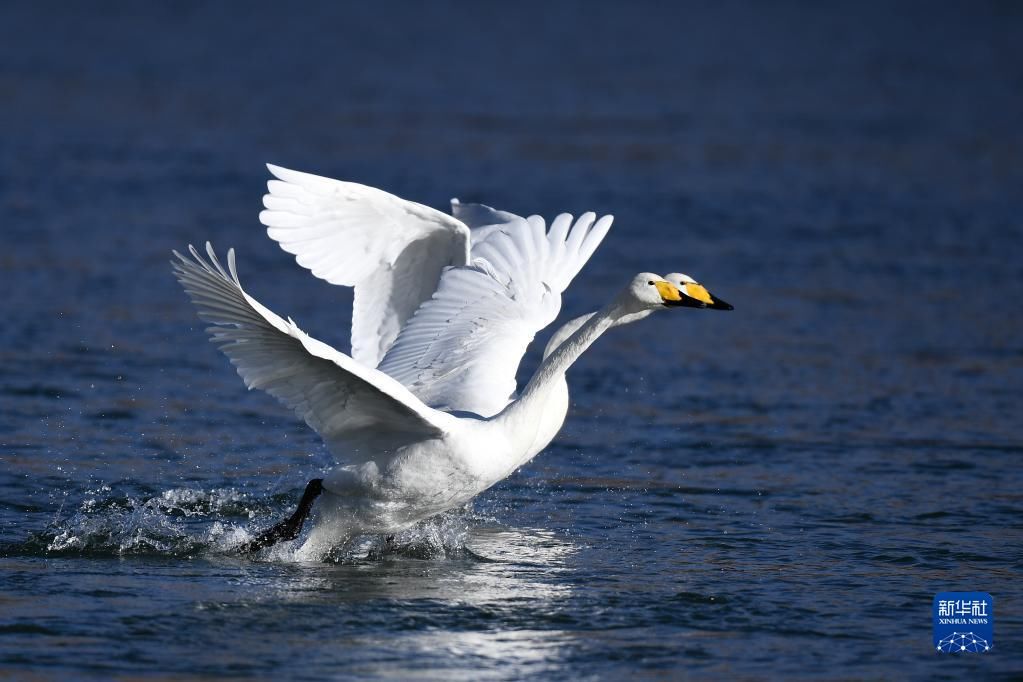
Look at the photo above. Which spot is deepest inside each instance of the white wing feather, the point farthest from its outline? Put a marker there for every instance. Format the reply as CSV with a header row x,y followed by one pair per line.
x,y
391,250
461,350
361,413
482,220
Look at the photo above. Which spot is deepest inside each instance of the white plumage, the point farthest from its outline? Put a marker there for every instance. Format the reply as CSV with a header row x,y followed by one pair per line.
x,y
391,250
305,374
462,349
438,421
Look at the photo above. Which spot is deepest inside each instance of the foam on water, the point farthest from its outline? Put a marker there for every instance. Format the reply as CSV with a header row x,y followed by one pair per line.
x,y
177,522
195,522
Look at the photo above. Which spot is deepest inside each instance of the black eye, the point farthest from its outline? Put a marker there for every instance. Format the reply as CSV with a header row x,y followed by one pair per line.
x,y
651,282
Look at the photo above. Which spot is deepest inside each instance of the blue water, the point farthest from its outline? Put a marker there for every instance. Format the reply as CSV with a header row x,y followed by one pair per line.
x,y
777,492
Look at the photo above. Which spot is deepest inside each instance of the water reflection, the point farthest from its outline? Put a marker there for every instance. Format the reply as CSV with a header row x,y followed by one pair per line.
x,y
501,599
525,651
495,566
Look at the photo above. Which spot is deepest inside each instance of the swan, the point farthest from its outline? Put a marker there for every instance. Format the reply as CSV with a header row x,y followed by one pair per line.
x,y
406,460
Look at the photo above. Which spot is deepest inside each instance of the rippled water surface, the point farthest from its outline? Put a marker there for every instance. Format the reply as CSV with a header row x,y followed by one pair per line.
x,y
773,492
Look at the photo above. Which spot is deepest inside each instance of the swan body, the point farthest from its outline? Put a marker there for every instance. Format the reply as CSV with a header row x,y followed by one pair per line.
x,y
410,441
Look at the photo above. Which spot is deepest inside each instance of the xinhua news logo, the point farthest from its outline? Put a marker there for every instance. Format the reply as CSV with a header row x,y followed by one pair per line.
x,y
964,622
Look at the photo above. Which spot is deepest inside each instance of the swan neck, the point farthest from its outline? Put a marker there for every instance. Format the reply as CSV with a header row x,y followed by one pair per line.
x,y
524,415
527,421
566,330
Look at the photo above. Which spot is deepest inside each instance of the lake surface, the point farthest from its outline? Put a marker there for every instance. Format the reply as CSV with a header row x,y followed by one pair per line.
x,y
779,491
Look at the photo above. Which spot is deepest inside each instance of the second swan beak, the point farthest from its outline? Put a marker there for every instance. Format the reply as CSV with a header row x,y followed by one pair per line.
x,y
691,295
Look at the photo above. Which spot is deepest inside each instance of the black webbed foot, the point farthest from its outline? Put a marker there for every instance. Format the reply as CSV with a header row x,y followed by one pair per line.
x,y
290,527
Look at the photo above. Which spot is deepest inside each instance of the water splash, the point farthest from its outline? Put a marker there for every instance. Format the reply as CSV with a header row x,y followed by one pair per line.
x,y
445,536
192,522
177,522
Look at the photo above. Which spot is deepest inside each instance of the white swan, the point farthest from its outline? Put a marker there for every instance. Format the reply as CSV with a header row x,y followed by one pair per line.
x,y
407,460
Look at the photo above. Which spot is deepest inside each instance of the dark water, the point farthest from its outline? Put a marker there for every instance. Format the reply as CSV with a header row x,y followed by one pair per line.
x,y
774,492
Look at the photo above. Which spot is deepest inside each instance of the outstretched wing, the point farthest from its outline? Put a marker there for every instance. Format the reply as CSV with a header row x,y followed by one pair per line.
x,y
462,348
361,413
391,250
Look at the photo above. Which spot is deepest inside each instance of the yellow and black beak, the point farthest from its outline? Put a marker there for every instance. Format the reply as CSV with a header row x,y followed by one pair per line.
x,y
691,295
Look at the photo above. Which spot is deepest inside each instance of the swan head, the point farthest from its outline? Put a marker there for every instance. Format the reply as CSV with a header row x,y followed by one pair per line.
x,y
648,291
